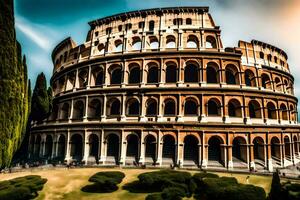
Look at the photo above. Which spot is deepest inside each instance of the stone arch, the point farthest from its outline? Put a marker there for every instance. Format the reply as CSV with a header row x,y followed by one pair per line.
x,y
118,46
61,147
171,72
64,112
215,149
95,109
234,108
254,109
188,21
250,78
101,48
296,145
259,148
266,81
191,106
114,107
191,149
191,73
168,152
151,107
210,42
239,149
134,73
192,42
287,148
153,41
275,147
97,76
136,43
78,110
212,73
48,146
93,147
37,145
213,107
83,78
132,150
170,42
54,112
70,80
278,84
153,73
170,107
76,143
284,112
271,110
150,148
292,113
133,107
115,74
232,74
113,146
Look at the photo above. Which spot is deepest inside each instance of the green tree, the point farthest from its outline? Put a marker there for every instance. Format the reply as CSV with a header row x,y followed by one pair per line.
x,y
276,192
40,103
13,86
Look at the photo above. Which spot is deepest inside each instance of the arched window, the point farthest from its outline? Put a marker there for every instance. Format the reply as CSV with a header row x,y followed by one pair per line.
x,y
232,76
134,75
210,42
97,76
250,78
266,83
213,107
171,73
136,44
254,109
277,84
169,109
212,75
271,111
152,74
153,42
151,25
170,42
192,42
188,21
95,109
234,108
64,113
191,107
261,55
101,48
191,74
114,107
82,79
292,113
151,107
118,46
116,75
78,111
133,107
284,112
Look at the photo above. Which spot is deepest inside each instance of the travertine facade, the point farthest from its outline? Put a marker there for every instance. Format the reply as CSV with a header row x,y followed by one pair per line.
x,y
157,86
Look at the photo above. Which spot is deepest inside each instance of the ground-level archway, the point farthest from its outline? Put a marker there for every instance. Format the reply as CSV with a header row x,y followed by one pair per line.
x,y
150,148
239,149
48,147
168,153
76,147
113,145
215,151
93,148
61,146
191,150
132,150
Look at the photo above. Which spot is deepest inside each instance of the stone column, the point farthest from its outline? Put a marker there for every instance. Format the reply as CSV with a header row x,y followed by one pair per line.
x,y
68,148
179,106
160,110
142,149
252,161
76,85
123,149
85,117
123,113
270,160
159,148
89,78
86,148
229,156
143,107
102,148
71,111
54,144
103,116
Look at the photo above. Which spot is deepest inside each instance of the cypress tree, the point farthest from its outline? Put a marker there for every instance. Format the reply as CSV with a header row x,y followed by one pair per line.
x,y
40,107
275,193
13,86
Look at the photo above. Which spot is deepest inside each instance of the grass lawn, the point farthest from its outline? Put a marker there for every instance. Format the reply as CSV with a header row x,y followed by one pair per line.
x,y
66,184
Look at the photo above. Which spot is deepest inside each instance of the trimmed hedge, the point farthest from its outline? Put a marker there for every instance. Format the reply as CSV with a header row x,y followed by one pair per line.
x,y
21,188
291,191
104,182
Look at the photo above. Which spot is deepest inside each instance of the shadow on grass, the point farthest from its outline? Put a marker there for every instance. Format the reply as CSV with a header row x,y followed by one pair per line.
x,y
137,187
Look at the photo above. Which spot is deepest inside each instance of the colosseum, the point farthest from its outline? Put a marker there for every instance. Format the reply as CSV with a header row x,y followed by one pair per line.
x,y
156,87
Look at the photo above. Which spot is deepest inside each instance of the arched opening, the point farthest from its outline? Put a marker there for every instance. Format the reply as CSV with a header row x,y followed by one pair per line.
x,y
76,147
232,75
292,113
284,112
170,108
152,74
94,147
54,112
150,149
170,42
114,107
61,146
287,148
37,146
134,75
70,81
133,107
113,147
171,73
151,107
136,44
254,109
239,149
153,42
118,46
190,107
212,75
132,152
82,77
210,42
271,111
101,48
278,84
116,76
188,21
215,151
192,42
250,78
151,25
32,140
296,145
261,55
48,147
191,74
275,148
168,153
64,113
214,107
191,149
265,81
234,108
99,78
258,147
95,109
78,111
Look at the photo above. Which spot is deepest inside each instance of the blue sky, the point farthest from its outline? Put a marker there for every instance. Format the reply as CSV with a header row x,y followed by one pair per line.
x,y
42,24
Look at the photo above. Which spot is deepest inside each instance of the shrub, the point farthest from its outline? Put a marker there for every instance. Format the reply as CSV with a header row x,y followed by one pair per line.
x,y
291,191
173,193
155,196
104,182
21,188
